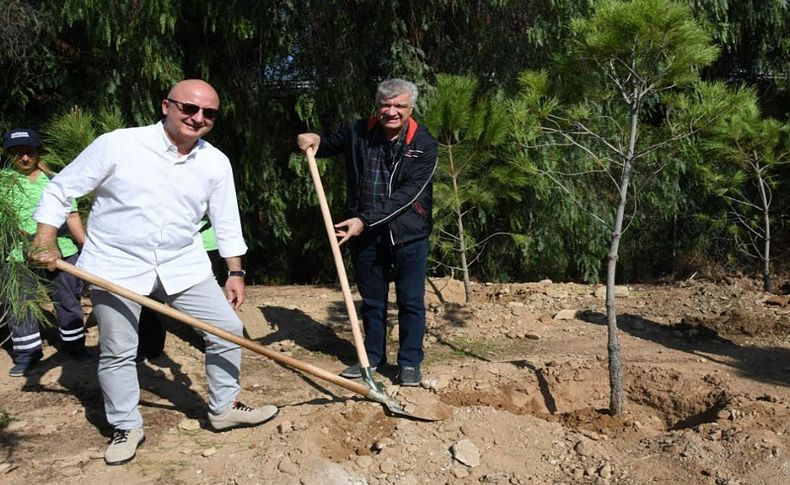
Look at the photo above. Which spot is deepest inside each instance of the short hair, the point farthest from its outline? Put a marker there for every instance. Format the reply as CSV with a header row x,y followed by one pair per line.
x,y
390,88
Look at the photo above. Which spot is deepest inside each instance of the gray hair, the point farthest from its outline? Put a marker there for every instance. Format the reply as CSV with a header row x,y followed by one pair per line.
x,y
395,87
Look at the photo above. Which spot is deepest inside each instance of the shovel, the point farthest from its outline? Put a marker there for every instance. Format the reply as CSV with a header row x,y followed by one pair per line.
x,y
362,355
379,396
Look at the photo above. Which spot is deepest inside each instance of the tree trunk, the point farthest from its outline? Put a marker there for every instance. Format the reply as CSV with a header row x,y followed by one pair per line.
x,y
462,248
613,344
461,234
767,285
674,244
464,264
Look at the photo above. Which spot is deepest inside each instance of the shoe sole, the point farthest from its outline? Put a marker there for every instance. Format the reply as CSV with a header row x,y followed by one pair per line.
x,y
410,384
243,425
356,376
22,373
122,462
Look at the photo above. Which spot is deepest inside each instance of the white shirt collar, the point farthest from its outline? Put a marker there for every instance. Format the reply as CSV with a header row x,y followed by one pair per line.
x,y
170,147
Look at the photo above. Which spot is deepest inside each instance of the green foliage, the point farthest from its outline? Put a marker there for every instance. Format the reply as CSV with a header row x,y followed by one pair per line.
x,y
286,67
655,44
582,147
66,135
471,129
5,418
746,151
753,34
14,296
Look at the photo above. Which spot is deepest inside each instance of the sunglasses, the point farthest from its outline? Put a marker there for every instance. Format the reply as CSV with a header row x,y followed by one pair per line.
x,y
190,109
19,152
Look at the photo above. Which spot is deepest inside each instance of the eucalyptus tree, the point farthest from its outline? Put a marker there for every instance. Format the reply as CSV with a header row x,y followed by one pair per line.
x,y
637,54
753,36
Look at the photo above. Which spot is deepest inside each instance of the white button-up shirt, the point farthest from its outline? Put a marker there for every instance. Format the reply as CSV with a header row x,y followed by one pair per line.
x,y
147,207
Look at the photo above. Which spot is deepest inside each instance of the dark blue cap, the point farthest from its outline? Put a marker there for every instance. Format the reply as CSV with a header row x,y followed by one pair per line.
x,y
21,137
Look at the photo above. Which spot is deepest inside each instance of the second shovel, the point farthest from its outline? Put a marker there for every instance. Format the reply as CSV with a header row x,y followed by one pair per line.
x,y
362,355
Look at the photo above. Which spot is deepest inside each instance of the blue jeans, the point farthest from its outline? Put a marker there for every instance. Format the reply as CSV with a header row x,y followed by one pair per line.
x,y
377,262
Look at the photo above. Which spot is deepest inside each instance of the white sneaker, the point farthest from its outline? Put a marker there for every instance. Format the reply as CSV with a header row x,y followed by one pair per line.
x,y
123,446
238,415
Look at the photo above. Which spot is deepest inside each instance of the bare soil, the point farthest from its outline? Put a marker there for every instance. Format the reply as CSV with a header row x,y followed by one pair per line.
x,y
522,372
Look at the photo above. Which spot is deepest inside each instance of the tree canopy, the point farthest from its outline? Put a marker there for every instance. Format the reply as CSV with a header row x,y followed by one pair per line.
x,y
286,67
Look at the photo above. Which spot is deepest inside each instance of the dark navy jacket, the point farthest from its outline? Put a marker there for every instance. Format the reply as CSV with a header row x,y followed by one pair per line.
x,y
407,209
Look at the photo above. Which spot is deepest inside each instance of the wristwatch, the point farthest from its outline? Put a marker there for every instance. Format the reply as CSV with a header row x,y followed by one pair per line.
x,y
240,272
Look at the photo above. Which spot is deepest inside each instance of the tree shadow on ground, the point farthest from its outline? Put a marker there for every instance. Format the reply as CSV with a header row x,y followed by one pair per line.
x,y
310,334
333,337
764,364
80,379
543,384
454,315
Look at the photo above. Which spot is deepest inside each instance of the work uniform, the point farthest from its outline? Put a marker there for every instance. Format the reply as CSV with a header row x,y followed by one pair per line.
x,y
65,290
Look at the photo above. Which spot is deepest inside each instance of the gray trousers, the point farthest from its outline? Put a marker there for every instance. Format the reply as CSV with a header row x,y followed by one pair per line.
x,y
118,320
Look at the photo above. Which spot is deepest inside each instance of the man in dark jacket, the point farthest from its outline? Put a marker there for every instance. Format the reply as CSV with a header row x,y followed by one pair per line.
x,y
390,162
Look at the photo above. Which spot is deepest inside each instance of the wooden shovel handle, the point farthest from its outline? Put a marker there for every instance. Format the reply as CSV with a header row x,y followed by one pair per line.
x,y
199,324
362,355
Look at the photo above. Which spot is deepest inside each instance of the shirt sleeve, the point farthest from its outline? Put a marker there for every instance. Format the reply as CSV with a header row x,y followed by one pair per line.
x,y
223,212
79,178
333,144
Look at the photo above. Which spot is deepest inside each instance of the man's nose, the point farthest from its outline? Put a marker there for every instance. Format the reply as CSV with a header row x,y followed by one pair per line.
x,y
199,116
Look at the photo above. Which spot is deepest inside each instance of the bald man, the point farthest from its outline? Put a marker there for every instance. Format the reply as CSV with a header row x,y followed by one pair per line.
x,y
152,186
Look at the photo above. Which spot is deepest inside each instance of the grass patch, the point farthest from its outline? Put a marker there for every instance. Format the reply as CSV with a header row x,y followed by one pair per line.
x,y
464,348
467,347
5,418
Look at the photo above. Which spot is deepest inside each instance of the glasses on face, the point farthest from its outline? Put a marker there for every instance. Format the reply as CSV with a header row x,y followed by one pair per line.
x,y
190,109
19,152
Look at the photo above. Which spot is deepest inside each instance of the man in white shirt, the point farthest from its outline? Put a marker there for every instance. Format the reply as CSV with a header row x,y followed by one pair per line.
x,y
152,186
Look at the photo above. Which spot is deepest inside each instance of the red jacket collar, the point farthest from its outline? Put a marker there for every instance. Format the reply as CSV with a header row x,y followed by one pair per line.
x,y
410,130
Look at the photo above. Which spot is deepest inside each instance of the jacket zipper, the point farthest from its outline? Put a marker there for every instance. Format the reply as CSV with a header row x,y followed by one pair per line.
x,y
389,192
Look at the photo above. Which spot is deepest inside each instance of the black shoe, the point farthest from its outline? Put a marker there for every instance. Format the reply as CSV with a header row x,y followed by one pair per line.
x,y
409,376
354,371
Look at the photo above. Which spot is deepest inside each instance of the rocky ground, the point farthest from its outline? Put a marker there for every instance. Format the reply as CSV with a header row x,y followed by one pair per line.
x,y
522,373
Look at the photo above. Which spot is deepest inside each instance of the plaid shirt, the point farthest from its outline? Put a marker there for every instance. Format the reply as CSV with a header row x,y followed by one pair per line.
x,y
382,156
